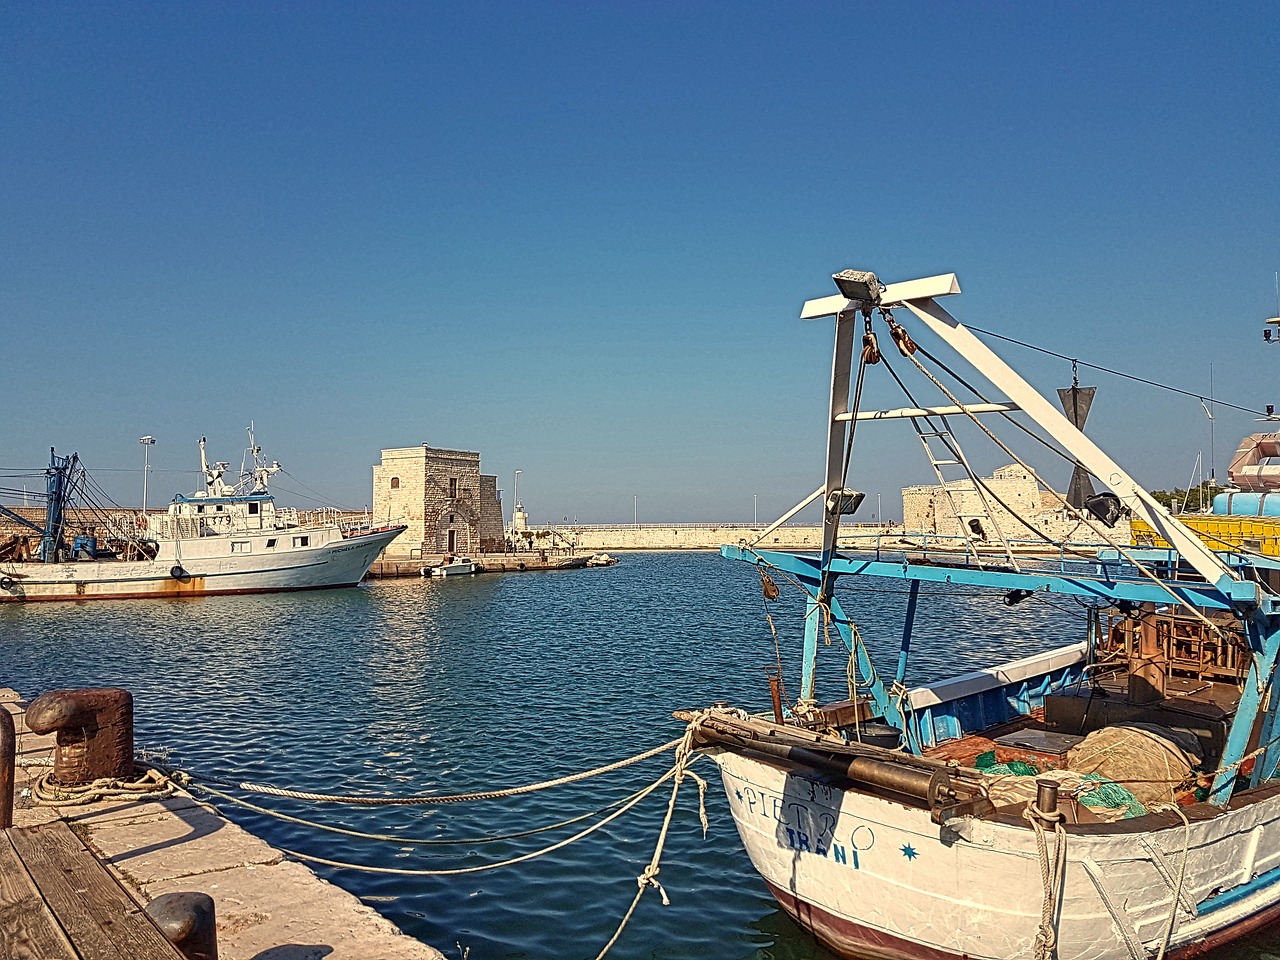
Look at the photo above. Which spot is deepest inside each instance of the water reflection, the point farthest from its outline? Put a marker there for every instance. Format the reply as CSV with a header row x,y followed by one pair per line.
x,y
421,686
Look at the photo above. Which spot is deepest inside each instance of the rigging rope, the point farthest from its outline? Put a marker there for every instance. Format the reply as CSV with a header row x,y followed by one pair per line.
x,y
1123,551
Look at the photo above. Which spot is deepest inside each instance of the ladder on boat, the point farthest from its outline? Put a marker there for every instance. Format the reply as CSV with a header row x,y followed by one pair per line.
x,y
972,525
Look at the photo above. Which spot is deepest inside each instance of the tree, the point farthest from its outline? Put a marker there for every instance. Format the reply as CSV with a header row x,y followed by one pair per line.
x,y
1196,500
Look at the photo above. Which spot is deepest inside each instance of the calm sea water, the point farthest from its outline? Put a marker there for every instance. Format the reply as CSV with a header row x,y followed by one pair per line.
x,y
453,686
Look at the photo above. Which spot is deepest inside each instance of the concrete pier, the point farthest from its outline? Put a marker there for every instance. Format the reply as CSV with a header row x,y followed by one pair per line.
x,y
391,567
267,906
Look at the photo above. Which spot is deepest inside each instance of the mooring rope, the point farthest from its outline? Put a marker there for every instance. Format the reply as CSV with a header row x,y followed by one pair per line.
x,y
153,784
1182,873
416,872
649,877
1052,875
396,838
273,791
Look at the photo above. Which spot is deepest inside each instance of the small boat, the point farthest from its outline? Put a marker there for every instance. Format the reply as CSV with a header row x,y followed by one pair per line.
x,y
457,567
1115,798
601,560
225,539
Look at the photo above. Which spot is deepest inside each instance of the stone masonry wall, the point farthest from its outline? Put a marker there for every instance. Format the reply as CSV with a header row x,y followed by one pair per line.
x,y
442,497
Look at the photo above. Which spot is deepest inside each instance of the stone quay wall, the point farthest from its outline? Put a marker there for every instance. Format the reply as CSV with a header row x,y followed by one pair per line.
x,y
594,538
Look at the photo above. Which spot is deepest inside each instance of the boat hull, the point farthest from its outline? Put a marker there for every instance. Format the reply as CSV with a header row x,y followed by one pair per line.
x,y
341,562
874,878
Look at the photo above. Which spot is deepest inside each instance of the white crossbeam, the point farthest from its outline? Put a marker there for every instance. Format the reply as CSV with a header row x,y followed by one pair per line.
x,y
905,413
943,285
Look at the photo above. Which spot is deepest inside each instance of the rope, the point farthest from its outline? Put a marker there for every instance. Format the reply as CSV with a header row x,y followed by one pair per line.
x,y
364,868
649,877
1123,551
152,785
1182,873
274,791
1052,876
395,838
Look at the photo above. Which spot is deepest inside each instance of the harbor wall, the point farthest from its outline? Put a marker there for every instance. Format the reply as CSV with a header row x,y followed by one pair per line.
x,y
594,538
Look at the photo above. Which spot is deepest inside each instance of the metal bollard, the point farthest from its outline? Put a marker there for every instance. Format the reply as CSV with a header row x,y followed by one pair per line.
x,y
95,732
8,764
188,921
1047,796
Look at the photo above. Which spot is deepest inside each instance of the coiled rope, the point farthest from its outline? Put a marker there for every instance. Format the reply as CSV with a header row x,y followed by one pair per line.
x,y
153,784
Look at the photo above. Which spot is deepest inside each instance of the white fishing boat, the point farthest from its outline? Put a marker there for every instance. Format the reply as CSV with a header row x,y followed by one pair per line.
x,y
1112,799
225,539
457,567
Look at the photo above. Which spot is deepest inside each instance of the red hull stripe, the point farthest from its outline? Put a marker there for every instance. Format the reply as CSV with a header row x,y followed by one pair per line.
x,y
853,940
180,595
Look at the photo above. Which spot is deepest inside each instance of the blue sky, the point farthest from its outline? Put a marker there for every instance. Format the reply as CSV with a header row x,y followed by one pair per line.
x,y
575,236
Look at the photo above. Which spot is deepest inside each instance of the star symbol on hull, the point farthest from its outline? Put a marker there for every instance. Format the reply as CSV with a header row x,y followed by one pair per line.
x,y
909,851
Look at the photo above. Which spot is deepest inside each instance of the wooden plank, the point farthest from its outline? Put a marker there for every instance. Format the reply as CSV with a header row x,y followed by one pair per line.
x,y
96,913
27,929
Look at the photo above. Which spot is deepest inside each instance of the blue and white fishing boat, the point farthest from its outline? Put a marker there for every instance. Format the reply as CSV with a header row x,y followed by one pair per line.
x,y
1113,799
224,539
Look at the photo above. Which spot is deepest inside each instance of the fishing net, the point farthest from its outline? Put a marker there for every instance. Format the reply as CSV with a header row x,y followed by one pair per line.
x,y
1150,761
1008,787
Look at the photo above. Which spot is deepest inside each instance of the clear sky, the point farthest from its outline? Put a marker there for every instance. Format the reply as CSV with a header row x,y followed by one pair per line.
x,y
575,236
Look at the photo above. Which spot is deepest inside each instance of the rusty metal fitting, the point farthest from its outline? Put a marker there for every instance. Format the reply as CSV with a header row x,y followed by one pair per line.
x,y
95,733
8,762
1047,797
189,922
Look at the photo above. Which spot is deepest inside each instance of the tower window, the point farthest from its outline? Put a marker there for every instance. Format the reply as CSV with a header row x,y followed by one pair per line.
x,y
453,487
395,483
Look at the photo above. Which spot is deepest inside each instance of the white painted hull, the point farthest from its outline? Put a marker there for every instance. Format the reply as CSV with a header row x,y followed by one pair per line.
x,y
332,562
873,878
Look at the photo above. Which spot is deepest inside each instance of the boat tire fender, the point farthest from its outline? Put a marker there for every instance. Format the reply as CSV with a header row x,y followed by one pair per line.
x,y
6,583
177,572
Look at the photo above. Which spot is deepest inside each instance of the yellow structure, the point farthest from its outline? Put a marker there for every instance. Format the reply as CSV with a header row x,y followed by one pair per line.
x,y
1254,534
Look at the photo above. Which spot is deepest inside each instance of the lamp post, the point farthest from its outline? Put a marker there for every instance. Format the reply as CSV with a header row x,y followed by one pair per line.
x,y
635,510
515,496
147,443
755,514
879,515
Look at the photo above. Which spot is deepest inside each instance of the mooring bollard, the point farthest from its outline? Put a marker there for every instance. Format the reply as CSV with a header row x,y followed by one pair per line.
x,y
188,921
95,733
8,764
1047,796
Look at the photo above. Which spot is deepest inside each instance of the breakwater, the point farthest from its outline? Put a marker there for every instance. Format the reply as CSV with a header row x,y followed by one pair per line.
x,y
693,536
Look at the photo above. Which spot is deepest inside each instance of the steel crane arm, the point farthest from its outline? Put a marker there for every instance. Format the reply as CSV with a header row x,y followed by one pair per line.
x,y
19,518
1133,494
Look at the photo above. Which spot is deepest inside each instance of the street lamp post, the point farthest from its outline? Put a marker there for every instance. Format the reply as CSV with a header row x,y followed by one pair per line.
x,y
755,514
515,497
147,443
879,515
635,510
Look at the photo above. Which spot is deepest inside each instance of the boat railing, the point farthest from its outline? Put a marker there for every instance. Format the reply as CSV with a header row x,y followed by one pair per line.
x,y
349,522
856,529
916,545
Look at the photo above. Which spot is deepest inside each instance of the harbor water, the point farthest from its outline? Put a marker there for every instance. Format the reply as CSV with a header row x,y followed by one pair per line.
x,y
463,685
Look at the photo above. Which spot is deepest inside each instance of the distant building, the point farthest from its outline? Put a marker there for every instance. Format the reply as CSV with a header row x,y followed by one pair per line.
x,y
448,504
929,510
